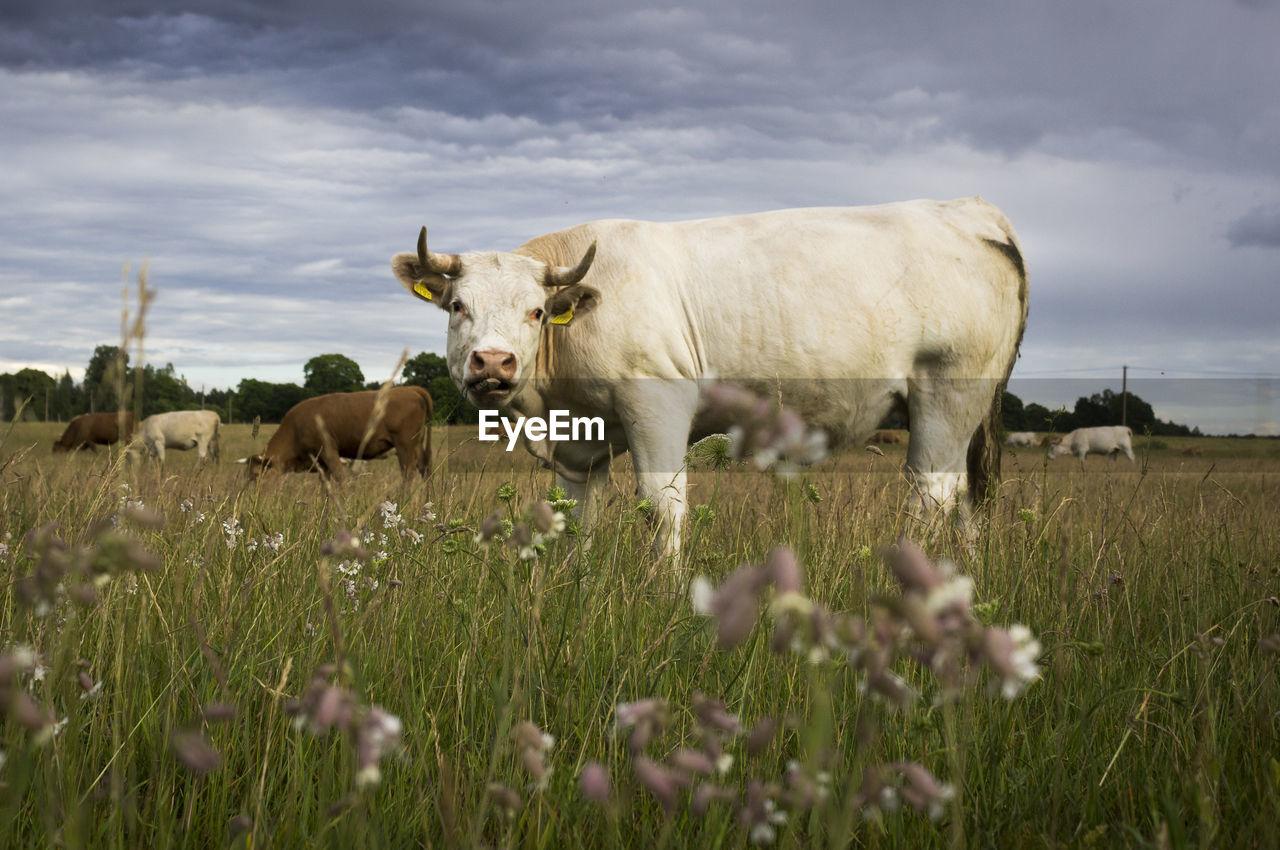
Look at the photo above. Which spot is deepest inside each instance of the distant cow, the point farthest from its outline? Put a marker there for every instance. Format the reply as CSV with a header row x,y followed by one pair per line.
x,y
1193,451
1102,440
1020,438
300,444
181,429
885,437
90,429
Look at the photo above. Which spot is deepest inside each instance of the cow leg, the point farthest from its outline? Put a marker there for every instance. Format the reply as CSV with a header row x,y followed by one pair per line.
x,y
587,489
656,416
944,416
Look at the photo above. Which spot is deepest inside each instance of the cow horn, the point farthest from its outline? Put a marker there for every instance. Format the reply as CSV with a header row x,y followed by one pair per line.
x,y
565,276
441,264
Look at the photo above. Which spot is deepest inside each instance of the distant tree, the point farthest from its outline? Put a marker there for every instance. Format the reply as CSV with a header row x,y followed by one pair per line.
x,y
449,404
69,398
1012,415
103,375
332,373
270,401
164,391
1036,417
420,371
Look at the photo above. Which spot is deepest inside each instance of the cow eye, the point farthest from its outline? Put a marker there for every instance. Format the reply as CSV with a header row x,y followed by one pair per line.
x,y
455,307
536,315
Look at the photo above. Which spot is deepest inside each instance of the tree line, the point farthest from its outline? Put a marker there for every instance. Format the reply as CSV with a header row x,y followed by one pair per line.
x,y
109,380
112,383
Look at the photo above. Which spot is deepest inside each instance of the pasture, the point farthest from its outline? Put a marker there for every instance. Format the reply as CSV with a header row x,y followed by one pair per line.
x,y
1153,590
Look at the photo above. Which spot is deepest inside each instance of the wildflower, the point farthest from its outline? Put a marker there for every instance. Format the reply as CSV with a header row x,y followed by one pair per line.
x,y
707,793
200,516
91,689
1012,655
735,604
195,753
218,712
186,506
426,516
377,736
1026,515
507,800
922,791
760,737
761,815
231,528
662,783
490,526
532,745
414,537
595,783
273,542
390,515
344,545
644,718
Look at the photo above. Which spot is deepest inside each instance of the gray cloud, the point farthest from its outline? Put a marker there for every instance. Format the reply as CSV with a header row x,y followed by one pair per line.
x,y
1260,227
269,158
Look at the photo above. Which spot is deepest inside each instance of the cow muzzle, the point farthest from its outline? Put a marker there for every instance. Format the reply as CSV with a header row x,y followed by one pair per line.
x,y
491,373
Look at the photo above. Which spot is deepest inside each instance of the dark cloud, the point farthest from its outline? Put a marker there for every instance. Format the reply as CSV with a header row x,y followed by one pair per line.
x,y
1258,228
270,157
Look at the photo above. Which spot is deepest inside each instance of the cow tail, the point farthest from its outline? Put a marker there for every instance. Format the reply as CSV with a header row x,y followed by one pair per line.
x,y
424,465
985,447
985,453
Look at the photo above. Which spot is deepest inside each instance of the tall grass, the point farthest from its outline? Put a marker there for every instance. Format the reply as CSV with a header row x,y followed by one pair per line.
x,y
1150,588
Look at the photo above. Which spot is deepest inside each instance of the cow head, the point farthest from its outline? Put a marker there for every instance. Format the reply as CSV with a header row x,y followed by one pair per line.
x,y
257,466
1058,449
497,305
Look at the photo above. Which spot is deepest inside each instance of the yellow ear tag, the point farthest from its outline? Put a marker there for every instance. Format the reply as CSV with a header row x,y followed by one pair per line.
x,y
564,318
421,289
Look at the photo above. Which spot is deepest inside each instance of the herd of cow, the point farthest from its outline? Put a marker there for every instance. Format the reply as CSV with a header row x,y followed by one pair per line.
x,y
316,434
843,315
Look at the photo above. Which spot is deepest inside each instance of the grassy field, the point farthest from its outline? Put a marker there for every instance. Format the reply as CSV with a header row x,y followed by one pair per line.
x,y
178,702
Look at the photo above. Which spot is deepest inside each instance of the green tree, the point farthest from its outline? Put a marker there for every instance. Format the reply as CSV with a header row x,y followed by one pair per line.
x,y
332,373
1012,414
422,370
103,375
270,401
449,405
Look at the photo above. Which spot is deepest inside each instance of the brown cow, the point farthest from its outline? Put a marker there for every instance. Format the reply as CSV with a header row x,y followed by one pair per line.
x,y
1193,451
90,429
885,437
300,445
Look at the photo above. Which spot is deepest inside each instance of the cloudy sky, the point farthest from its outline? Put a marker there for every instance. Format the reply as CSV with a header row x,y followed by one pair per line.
x,y
269,159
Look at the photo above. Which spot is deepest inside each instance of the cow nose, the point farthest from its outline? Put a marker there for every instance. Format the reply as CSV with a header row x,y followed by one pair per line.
x,y
494,363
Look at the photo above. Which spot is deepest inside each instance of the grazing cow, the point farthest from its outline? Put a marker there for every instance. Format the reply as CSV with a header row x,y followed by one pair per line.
x,y
90,429
843,314
180,429
885,437
1193,451
1102,440
1020,438
353,429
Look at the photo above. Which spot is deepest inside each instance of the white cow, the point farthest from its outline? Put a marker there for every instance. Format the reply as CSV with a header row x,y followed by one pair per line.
x,y
1020,438
1101,440
845,313
181,429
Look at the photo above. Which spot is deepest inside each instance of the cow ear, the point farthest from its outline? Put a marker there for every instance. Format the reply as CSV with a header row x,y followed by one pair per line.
x,y
421,283
571,303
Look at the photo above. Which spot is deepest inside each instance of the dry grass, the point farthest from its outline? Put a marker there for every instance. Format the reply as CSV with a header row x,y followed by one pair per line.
x,y
1149,585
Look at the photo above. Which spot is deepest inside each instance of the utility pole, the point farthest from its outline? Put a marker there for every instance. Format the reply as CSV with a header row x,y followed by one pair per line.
x,y
1124,396
231,400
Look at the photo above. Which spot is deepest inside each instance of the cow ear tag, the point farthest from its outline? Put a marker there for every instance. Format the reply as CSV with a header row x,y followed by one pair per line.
x,y
564,318
421,289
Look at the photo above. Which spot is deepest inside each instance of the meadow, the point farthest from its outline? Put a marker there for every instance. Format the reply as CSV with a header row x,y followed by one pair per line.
x,y
206,662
